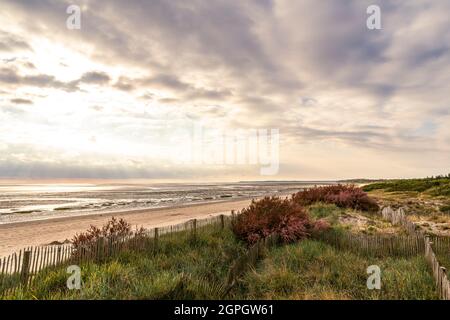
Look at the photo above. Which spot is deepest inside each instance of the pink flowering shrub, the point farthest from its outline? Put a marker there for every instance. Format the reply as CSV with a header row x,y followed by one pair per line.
x,y
114,229
344,196
272,215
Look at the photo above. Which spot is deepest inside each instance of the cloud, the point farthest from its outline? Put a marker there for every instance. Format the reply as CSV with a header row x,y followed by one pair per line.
x,y
95,77
9,76
165,81
124,84
311,69
21,101
97,108
9,43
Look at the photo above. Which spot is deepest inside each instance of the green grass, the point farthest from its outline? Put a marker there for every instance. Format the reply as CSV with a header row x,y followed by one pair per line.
x,y
184,268
439,186
313,270
328,211
445,209
9,281
444,259
180,269
442,253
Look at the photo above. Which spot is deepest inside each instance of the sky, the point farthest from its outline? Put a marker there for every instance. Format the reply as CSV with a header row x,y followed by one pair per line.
x,y
121,97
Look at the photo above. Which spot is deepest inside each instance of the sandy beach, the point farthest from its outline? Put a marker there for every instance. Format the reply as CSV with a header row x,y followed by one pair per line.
x,y
16,236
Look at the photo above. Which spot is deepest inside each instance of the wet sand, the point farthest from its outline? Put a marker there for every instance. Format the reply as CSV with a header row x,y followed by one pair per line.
x,y
16,236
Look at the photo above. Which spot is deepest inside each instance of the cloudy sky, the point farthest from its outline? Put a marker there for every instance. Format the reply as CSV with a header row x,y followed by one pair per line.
x,y
115,98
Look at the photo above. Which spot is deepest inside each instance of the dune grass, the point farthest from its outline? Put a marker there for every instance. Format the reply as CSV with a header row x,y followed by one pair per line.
x,y
324,210
313,270
436,186
354,221
426,201
181,268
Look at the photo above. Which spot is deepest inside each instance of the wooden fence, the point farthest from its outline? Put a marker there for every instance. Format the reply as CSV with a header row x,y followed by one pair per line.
x,y
398,217
19,270
441,245
439,272
375,245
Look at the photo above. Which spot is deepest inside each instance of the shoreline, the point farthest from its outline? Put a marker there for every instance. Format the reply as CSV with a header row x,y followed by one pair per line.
x,y
18,235
124,212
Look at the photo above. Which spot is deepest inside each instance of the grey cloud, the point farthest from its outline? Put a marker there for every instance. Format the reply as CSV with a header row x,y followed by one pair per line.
x,y
201,93
147,96
366,137
168,100
124,84
14,165
21,62
159,81
21,101
219,33
165,81
185,91
259,104
10,43
224,33
11,77
307,101
36,169
95,77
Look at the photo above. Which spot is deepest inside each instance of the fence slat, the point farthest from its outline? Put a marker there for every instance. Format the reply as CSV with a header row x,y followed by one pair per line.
x,y
25,267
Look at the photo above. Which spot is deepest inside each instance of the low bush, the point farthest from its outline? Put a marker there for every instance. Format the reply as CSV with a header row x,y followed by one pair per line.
x,y
114,228
344,196
273,215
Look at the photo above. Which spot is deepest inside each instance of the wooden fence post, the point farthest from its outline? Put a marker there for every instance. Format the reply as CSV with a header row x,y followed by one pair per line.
x,y
100,246
443,284
194,228
59,255
25,267
156,237
222,221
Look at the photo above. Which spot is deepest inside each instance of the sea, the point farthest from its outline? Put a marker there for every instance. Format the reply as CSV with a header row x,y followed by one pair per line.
x,y
27,202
